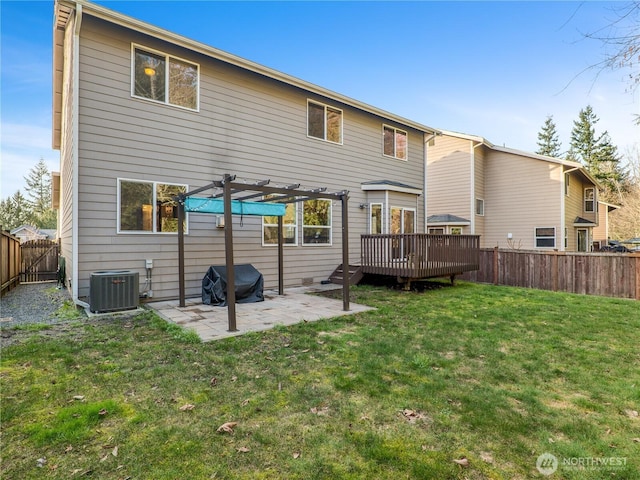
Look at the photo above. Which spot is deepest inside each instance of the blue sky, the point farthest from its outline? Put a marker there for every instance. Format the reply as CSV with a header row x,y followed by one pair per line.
x,y
493,69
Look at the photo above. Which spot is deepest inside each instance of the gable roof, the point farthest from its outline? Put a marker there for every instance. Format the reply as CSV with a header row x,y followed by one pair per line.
x,y
390,186
447,219
571,165
64,10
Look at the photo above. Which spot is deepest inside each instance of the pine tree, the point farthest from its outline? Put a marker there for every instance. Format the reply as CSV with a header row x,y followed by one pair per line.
x,y
548,141
596,152
38,190
14,211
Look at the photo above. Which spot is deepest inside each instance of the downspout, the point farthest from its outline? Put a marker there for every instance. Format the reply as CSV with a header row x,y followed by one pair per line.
x,y
563,223
472,182
75,157
427,139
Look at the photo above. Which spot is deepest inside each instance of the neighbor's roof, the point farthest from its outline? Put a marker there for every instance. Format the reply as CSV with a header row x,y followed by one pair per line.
x,y
64,10
522,153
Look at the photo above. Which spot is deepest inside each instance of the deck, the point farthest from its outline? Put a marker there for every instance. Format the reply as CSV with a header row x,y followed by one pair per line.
x,y
414,256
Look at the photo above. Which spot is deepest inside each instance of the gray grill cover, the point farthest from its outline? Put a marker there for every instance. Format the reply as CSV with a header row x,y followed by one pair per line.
x,y
248,280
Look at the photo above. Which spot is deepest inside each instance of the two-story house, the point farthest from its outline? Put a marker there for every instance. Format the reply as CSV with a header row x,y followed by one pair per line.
x,y
141,114
511,198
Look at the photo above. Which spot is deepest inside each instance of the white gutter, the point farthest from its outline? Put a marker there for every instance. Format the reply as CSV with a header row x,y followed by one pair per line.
x,y
424,179
75,161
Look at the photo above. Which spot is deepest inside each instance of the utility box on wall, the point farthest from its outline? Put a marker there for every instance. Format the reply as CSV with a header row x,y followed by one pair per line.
x,y
113,290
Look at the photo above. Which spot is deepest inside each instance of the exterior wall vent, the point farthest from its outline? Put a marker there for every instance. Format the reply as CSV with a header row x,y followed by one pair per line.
x,y
113,290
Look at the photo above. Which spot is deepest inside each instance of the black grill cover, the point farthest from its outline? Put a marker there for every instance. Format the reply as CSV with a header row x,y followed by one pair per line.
x,y
249,285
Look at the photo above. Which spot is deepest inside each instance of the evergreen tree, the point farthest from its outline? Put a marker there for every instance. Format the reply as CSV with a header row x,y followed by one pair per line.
x,y
38,190
548,141
595,152
14,211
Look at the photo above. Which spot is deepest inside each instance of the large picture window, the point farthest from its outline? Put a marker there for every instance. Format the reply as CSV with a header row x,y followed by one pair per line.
x,y
324,122
395,142
148,207
545,237
289,226
165,79
316,222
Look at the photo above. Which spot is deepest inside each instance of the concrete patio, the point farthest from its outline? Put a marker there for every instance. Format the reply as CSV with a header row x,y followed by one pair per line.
x,y
295,306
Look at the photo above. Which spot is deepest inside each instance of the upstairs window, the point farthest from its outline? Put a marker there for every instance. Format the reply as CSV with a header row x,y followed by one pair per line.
x,y
589,199
316,222
324,122
395,142
164,79
148,207
480,207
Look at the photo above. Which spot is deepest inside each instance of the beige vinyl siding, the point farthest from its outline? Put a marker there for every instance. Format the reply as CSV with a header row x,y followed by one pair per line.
x,y
449,177
247,125
520,194
574,207
480,154
66,145
601,232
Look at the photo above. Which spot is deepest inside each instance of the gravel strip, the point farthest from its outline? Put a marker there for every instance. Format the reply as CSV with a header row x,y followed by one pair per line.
x,y
32,303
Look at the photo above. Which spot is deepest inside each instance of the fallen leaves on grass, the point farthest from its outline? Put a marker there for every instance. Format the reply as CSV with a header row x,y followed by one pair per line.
x,y
227,427
320,411
187,407
296,454
632,413
243,449
463,462
413,416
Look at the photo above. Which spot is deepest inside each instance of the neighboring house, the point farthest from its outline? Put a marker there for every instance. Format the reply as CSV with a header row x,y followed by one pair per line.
x,y
28,232
601,235
141,114
510,198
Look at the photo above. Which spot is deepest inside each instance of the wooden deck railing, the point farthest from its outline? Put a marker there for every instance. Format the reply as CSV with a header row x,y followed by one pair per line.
x,y
418,255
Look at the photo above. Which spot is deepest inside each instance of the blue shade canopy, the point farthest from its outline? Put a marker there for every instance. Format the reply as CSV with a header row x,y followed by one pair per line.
x,y
216,205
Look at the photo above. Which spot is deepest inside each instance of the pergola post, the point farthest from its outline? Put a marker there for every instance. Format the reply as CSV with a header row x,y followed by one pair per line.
x,y
346,280
228,250
181,250
280,257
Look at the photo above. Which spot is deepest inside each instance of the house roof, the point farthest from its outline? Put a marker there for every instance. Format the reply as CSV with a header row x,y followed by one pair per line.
x,y
64,10
447,219
579,221
31,230
571,165
390,185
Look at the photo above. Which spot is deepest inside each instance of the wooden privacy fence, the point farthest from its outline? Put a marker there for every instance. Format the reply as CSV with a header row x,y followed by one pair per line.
x,y
39,261
10,260
606,274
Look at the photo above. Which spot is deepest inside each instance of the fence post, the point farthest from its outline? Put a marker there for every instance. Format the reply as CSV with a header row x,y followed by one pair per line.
x,y
496,275
638,277
554,272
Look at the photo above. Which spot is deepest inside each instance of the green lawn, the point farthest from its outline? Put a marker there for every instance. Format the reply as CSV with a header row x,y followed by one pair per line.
x,y
464,382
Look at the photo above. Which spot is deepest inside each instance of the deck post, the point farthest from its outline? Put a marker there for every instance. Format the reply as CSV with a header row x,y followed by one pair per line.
x,y
346,279
228,251
181,250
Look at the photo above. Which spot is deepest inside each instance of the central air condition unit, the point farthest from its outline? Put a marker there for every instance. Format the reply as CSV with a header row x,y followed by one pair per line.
x,y
113,290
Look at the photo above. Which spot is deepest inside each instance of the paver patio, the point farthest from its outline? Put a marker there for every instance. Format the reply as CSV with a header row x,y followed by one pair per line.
x,y
295,306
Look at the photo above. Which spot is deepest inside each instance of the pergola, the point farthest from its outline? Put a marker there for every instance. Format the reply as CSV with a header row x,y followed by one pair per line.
x,y
244,205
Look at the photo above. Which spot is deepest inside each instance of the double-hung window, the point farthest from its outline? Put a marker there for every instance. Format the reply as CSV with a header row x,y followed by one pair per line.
x,y
164,78
545,237
316,222
480,207
394,142
148,207
324,122
289,226
589,199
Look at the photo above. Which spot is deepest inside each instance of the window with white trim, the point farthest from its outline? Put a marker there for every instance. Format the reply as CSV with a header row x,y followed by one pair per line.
x,y
164,78
394,142
480,207
324,122
567,182
316,222
148,207
436,231
589,199
455,230
375,223
545,237
289,226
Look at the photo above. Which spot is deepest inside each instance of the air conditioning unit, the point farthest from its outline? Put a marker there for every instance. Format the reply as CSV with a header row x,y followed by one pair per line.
x,y
113,290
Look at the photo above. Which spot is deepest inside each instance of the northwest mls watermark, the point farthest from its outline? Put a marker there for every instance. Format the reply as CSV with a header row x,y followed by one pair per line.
x,y
548,464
